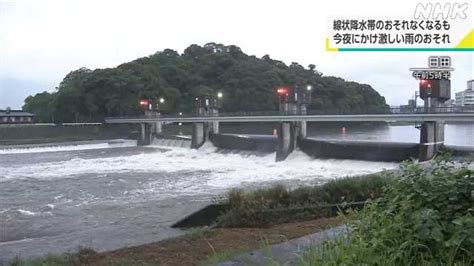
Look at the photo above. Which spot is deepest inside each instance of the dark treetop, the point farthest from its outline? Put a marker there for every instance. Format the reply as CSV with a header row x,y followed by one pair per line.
x,y
248,84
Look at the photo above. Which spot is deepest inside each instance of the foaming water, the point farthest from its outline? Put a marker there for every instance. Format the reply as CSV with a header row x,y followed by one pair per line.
x,y
222,170
65,197
26,212
65,147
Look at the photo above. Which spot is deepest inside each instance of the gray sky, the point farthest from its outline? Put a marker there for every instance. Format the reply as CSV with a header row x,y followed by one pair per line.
x,y
41,41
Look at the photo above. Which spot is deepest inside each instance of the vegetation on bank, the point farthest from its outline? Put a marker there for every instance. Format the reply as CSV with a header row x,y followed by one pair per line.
x,y
279,204
248,84
424,217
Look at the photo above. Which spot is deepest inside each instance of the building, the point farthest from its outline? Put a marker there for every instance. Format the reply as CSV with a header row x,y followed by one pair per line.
x,y
409,108
8,116
466,97
449,105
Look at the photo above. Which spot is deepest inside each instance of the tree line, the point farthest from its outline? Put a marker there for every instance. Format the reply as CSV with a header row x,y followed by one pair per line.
x,y
248,84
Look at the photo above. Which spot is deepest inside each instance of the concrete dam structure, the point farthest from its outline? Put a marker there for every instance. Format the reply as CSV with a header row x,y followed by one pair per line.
x,y
292,119
337,149
327,149
291,135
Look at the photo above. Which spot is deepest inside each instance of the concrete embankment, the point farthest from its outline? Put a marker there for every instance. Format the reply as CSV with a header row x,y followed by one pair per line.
x,y
359,150
260,143
289,252
48,133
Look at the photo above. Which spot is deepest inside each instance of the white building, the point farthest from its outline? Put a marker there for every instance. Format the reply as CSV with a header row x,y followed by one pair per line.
x,y
466,97
9,116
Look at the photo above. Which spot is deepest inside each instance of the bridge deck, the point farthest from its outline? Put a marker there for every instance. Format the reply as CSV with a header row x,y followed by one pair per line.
x,y
448,117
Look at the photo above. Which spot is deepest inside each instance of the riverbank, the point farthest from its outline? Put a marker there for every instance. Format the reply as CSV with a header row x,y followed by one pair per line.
x,y
201,246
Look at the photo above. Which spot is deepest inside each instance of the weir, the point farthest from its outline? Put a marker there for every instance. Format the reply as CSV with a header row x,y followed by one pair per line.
x,y
290,136
292,116
293,119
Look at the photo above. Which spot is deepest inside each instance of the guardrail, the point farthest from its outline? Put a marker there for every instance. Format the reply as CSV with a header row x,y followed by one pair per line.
x,y
82,124
395,111
447,117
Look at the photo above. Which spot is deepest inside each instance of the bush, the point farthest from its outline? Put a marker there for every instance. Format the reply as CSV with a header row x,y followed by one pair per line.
x,y
425,217
279,204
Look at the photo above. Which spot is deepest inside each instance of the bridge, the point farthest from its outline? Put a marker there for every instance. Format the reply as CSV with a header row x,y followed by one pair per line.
x,y
292,127
419,117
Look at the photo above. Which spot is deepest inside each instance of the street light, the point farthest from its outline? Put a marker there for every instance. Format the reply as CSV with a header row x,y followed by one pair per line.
x,y
144,102
219,95
162,100
282,91
309,87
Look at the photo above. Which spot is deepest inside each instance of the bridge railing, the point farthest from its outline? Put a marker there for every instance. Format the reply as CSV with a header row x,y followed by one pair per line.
x,y
400,110
432,110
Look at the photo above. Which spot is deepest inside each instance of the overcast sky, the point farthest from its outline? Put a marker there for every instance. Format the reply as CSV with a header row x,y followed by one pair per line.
x,y
42,41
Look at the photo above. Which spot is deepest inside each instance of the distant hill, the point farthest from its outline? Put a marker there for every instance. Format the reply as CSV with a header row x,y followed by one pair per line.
x,y
247,82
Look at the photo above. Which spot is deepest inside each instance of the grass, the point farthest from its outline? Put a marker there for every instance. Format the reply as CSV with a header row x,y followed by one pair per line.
x,y
265,245
222,256
69,258
425,217
279,204
198,232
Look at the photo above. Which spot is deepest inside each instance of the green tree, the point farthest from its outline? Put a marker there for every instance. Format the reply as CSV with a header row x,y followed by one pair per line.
x,y
41,105
247,82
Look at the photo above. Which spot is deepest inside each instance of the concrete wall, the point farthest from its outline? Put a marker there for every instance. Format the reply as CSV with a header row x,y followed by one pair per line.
x,y
252,143
370,151
25,134
359,150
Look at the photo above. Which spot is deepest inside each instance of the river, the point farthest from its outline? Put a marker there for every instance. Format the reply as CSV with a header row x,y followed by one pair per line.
x,y
111,195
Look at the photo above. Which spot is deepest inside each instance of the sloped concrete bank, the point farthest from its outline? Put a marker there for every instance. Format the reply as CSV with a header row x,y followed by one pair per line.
x,y
287,253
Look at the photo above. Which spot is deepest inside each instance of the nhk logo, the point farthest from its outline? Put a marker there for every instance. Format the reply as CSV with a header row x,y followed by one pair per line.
x,y
441,11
